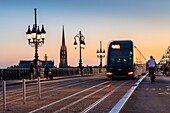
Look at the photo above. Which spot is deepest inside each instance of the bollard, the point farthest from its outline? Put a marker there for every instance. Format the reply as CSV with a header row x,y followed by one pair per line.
x,y
24,91
39,88
4,94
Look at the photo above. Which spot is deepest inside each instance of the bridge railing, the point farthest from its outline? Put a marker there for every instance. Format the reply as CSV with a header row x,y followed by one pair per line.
x,y
14,73
20,73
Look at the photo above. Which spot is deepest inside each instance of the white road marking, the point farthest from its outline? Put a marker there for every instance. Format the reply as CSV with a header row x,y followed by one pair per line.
x,y
75,102
123,100
101,99
164,93
67,97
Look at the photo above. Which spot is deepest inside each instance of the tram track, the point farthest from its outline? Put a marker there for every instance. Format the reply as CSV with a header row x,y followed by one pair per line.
x,y
86,95
16,97
32,86
32,89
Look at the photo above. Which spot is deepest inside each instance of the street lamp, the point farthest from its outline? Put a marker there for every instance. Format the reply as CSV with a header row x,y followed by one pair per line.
x,y
36,39
168,54
82,46
100,54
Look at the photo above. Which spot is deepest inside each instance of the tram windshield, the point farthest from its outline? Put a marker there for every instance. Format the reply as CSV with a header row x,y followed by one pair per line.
x,y
120,54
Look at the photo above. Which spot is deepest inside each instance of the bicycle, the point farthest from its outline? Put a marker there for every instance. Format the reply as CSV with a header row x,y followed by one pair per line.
x,y
152,76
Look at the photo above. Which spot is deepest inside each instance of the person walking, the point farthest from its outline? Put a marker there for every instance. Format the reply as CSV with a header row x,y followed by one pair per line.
x,y
31,71
46,70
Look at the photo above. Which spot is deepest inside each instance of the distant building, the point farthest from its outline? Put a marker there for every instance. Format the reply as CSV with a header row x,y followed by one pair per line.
x,y
63,53
26,63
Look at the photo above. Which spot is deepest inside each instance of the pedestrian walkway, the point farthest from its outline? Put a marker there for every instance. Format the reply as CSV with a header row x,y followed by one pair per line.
x,y
150,98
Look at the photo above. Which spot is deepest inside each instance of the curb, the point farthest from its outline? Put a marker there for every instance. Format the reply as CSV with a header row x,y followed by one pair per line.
x,y
117,108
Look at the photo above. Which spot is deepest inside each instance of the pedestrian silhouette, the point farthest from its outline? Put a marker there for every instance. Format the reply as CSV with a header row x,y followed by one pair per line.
x,y
31,71
46,70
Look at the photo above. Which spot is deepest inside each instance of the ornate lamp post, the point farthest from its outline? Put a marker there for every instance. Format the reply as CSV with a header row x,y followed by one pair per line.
x,y
36,39
100,54
82,46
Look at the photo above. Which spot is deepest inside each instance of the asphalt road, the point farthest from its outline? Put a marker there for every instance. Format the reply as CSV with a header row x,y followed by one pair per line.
x,y
150,98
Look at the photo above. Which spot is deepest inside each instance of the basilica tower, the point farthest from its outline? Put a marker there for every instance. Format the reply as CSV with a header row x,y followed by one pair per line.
x,y
63,52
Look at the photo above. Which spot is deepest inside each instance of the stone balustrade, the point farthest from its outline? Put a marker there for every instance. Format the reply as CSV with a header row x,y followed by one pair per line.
x,y
20,73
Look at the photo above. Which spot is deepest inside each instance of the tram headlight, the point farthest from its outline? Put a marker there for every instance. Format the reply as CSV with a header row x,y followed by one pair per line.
x,y
109,73
130,73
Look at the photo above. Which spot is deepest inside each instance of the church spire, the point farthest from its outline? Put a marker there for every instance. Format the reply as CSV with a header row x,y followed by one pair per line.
x,y
63,37
63,52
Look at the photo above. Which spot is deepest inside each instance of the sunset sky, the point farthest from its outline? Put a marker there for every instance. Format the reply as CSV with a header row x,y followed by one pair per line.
x,y
146,22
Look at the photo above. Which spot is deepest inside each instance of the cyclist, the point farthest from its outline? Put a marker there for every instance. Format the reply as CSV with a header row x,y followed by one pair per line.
x,y
151,64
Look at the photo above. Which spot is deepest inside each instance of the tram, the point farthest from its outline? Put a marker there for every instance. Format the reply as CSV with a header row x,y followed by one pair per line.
x,y
124,60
